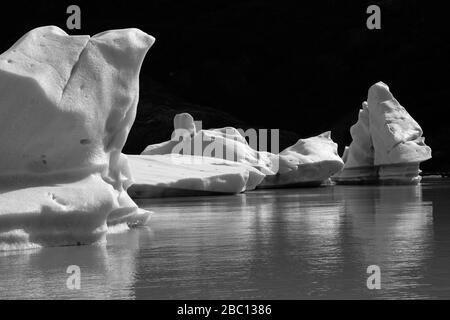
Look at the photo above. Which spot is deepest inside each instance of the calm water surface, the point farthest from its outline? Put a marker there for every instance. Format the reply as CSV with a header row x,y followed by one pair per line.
x,y
310,243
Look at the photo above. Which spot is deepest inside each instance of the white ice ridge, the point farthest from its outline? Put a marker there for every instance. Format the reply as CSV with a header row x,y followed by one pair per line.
x,y
67,104
185,175
310,161
387,143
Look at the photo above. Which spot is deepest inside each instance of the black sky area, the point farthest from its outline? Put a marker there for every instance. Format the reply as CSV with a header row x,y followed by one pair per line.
x,y
301,66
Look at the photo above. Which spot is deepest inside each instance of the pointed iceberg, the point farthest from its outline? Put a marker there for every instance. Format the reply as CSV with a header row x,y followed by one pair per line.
x,y
387,145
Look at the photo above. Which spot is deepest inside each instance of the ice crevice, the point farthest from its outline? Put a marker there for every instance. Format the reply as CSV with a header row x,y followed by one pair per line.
x,y
73,70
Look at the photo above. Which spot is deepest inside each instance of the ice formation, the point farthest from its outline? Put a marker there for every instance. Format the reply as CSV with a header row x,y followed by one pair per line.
x,y
67,104
387,143
310,161
184,175
223,143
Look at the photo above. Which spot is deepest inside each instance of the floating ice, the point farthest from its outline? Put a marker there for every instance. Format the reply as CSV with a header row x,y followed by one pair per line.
x,y
309,162
387,143
223,143
67,104
184,175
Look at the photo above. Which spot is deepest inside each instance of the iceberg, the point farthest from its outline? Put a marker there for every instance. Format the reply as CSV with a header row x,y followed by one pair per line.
x,y
222,143
387,143
309,162
67,105
172,175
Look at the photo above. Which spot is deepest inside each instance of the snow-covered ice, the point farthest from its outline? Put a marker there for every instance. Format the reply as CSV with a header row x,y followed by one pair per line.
x,y
67,105
387,145
184,175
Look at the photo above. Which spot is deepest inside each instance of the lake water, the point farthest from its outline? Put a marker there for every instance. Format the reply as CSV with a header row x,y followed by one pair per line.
x,y
309,243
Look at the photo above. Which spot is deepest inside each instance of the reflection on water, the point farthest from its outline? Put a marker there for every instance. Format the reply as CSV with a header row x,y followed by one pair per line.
x,y
107,272
275,244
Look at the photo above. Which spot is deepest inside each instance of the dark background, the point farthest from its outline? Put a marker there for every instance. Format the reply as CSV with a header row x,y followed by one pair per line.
x,y
302,66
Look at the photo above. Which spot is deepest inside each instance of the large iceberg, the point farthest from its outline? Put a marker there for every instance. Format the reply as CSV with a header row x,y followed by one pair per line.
x,y
172,175
387,144
67,104
309,162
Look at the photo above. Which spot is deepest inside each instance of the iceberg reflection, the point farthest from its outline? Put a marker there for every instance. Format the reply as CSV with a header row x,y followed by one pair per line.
x,y
107,272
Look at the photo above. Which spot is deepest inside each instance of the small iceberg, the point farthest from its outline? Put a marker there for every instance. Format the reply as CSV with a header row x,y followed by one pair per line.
x,y
309,162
